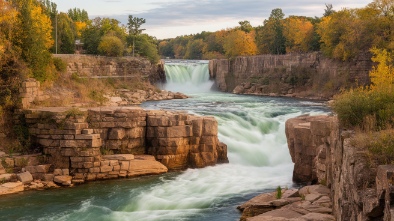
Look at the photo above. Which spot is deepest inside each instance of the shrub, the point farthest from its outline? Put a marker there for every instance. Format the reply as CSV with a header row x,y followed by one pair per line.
x,y
60,65
365,109
379,146
111,46
278,192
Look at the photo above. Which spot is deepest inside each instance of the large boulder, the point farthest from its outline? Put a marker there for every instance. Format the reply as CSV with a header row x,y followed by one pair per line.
x,y
145,165
25,177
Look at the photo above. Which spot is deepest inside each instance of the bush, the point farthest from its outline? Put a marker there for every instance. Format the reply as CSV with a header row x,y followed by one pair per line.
x,y
111,46
365,109
60,65
379,146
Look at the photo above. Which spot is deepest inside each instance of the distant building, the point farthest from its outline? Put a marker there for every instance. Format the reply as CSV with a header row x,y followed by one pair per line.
x,y
78,47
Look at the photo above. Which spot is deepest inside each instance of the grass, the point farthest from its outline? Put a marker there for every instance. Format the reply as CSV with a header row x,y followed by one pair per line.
x,y
379,146
76,88
278,192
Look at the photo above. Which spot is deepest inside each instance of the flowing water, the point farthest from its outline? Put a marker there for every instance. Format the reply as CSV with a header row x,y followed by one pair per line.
x,y
251,126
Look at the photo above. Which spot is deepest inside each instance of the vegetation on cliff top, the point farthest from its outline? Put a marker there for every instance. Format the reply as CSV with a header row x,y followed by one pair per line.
x,y
370,111
339,34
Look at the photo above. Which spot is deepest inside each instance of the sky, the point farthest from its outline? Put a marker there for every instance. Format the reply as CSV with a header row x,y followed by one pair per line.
x,y
171,18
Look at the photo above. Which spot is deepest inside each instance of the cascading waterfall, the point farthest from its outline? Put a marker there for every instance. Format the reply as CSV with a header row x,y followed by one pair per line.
x,y
187,76
253,128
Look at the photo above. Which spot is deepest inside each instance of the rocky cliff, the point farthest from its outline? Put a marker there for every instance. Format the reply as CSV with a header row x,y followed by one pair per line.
x,y
100,66
324,154
75,139
299,75
81,145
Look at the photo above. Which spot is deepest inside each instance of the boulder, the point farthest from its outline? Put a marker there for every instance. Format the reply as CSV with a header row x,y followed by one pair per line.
x,y
145,166
238,89
63,180
11,187
25,177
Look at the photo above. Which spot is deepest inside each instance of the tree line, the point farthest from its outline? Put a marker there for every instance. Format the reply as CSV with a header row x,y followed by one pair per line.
x,y
338,34
32,30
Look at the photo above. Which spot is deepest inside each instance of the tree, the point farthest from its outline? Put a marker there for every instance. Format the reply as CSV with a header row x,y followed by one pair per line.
x,y
270,36
245,26
146,46
134,25
195,49
35,37
78,15
328,11
99,27
111,45
66,33
299,33
382,75
239,43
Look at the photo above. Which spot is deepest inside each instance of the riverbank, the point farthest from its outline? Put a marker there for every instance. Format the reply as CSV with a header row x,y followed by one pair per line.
x,y
80,145
322,153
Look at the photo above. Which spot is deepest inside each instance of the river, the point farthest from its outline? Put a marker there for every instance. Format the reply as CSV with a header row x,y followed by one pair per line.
x,y
252,127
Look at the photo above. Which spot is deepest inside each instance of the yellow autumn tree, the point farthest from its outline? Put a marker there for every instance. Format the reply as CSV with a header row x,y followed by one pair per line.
x,y
9,25
239,43
298,32
80,26
382,75
35,37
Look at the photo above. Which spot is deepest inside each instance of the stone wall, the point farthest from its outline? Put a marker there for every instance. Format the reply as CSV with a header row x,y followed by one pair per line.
x,y
30,91
323,154
102,143
298,75
101,66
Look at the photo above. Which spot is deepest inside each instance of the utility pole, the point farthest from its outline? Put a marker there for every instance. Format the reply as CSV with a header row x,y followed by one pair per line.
x,y
56,30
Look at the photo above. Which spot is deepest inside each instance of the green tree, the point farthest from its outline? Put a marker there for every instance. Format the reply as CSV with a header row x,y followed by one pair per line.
x,y
77,14
270,36
134,26
110,45
329,10
146,46
195,49
245,26
65,34
35,37
96,29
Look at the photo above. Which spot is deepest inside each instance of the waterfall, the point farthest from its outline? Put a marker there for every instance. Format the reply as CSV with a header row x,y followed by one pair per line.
x,y
187,76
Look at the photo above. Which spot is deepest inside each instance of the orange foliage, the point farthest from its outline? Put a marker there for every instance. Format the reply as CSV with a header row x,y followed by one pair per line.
x,y
239,43
80,26
298,33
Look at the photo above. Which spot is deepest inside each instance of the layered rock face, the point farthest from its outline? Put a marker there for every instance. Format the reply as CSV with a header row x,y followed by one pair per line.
x,y
81,139
181,140
300,75
100,66
323,154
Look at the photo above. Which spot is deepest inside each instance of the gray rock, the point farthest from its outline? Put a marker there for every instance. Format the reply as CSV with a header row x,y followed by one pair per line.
x,y
63,180
25,177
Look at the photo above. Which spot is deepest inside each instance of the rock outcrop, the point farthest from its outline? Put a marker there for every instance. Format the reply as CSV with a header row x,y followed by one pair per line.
x,y
297,75
309,139
101,66
75,140
307,203
358,190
